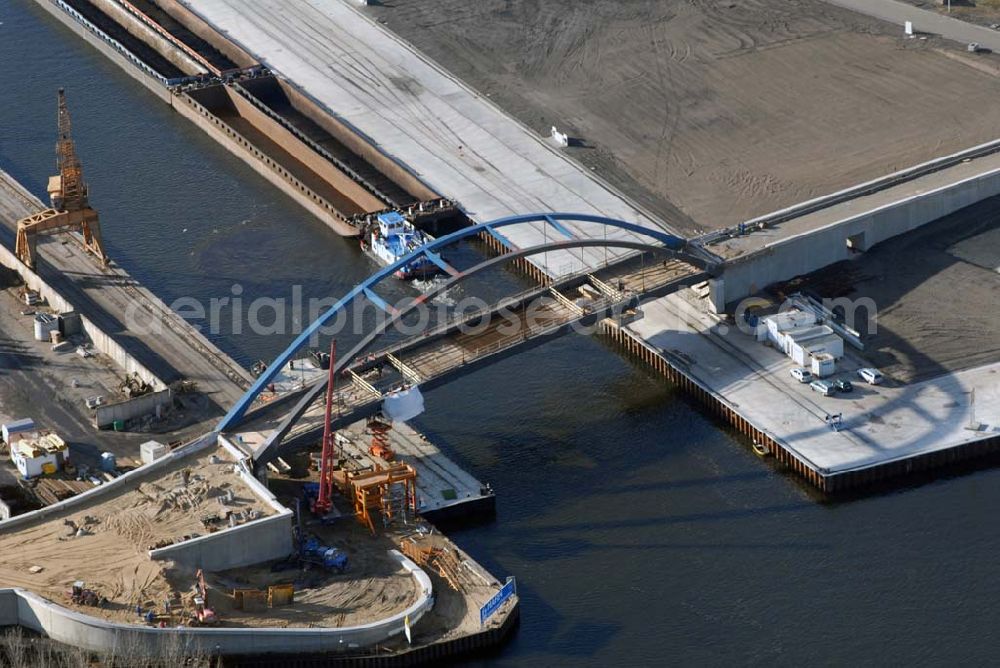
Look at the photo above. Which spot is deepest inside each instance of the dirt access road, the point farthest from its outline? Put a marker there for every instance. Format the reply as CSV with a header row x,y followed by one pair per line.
x,y
723,110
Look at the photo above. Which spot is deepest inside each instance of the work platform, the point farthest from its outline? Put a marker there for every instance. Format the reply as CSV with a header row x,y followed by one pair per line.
x,y
445,492
879,432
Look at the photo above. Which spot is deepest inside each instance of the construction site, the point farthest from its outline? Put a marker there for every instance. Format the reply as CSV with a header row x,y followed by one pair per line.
x,y
182,535
159,492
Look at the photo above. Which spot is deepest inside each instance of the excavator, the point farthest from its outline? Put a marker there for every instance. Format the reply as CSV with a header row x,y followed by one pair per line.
x,y
203,615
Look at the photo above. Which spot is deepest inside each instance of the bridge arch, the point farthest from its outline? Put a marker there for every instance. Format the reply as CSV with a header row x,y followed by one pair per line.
x,y
658,241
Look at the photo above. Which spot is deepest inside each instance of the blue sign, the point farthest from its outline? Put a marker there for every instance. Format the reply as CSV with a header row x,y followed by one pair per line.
x,y
494,603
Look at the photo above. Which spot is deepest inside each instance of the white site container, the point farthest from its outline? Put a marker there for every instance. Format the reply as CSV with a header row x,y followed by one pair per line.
x,y
44,324
33,457
150,451
22,426
823,365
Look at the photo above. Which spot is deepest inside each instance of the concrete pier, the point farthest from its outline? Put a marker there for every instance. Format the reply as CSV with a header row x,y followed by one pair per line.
x,y
121,313
446,492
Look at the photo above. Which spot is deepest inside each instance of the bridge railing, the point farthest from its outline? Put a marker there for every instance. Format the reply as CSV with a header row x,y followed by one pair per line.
x,y
505,302
538,330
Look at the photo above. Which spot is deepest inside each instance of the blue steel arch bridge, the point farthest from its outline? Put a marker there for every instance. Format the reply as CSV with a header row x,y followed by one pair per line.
x,y
603,268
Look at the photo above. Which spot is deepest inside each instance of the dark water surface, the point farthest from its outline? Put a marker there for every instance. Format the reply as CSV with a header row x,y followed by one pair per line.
x,y
640,532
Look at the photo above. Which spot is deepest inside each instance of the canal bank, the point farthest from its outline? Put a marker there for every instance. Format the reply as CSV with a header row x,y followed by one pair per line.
x,y
260,539
324,164
613,467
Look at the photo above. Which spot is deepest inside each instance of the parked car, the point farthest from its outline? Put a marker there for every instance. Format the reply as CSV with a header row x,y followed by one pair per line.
x,y
870,376
802,375
824,387
843,385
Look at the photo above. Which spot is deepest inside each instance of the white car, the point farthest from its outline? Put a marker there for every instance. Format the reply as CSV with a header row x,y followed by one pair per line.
x,y
824,387
870,376
801,374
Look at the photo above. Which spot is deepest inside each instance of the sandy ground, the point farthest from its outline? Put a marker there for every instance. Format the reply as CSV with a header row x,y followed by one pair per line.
x,y
373,588
936,291
712,112
111,557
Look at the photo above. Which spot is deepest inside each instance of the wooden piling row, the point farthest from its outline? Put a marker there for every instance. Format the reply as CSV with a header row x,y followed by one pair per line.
x,y
522,264
763,444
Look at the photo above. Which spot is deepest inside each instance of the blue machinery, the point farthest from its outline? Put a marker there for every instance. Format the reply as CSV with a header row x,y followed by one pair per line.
x,y
663,241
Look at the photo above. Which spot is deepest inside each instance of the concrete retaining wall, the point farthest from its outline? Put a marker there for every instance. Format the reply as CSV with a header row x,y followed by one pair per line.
x,y
225,549
8,607
132,408
101,341
815,249
18,606
261,540
251,543
123,482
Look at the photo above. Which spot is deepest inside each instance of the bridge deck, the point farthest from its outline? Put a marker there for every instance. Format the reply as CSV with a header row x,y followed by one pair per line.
x,y
439,355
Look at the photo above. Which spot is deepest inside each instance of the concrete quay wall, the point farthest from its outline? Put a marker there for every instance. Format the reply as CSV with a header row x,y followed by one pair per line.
x,y
814,249
766,444
98,337
20,607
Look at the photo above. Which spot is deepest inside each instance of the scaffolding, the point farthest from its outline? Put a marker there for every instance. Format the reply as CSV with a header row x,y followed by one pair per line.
x,y
386,494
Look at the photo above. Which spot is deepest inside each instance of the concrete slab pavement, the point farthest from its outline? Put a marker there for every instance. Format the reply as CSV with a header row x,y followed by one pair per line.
x,y
880,423
924,20
454,139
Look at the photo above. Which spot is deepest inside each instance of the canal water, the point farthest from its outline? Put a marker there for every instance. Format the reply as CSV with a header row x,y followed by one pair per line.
x,y
640,532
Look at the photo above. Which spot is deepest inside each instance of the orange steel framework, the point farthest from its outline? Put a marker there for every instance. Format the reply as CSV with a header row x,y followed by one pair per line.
x,y
71,209
380,446
372,493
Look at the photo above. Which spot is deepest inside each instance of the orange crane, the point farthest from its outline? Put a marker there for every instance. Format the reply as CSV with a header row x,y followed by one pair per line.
x,y
324,502
70,210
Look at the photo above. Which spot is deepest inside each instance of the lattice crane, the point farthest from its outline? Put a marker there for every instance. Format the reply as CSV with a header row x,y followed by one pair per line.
x,y
328,459
70,208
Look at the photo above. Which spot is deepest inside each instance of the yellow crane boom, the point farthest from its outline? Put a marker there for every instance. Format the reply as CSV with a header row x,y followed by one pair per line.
x,y
70,209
